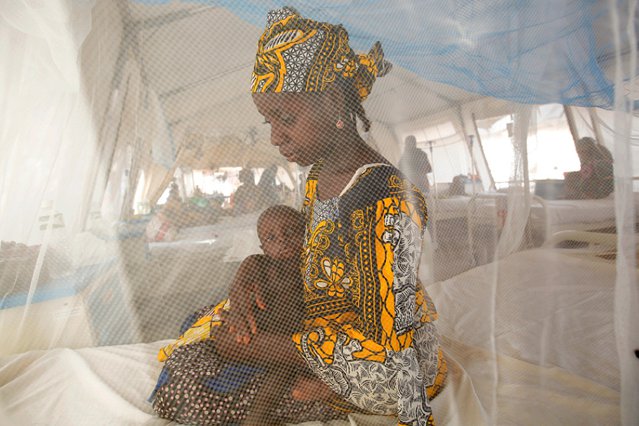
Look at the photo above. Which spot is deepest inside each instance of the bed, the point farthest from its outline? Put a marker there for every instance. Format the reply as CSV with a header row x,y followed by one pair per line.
x,y
553,216
489,213
448,228
454,207
110,385
548,313
233,238
554,364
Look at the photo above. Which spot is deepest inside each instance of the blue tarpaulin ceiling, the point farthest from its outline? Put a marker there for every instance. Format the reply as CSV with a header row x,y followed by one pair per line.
x,y
529,52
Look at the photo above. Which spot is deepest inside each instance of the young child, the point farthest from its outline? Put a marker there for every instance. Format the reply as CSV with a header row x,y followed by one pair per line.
x,y
199,386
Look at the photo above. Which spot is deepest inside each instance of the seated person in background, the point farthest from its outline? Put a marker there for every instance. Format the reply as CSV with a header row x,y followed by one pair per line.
x,y
415,165
166,223
269,190
200,386
246,197
595,179
198,198
458,186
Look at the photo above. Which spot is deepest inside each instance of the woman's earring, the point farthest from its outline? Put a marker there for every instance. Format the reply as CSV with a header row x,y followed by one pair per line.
x,y
340,123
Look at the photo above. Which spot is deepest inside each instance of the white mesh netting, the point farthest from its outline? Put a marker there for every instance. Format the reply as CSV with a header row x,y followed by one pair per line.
x,y
135,163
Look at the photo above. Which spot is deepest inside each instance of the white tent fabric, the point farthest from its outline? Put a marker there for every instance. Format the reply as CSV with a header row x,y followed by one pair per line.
x,y
107,105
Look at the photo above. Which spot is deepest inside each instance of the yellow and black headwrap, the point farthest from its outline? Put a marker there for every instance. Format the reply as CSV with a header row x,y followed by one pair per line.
x,y
301,55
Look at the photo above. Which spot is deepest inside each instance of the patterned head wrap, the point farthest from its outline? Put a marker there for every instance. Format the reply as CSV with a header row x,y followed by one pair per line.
x,y
301,55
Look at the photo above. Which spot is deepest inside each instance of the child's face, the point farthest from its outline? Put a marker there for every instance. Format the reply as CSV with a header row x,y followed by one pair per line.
x,y
301,124
282,236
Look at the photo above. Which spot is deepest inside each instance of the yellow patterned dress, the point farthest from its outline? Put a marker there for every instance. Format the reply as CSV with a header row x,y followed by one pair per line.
x,y
369,331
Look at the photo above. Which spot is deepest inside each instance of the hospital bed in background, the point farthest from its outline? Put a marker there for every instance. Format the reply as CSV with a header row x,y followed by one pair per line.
x,y
487,214
540,350
233,238
552,216
123,290
448,208
195,269
448,228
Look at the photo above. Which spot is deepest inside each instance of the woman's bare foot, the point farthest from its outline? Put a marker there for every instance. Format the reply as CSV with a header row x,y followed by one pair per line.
x,y
311,389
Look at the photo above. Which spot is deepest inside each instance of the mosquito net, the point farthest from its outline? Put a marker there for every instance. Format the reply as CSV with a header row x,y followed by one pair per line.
x,y
241,212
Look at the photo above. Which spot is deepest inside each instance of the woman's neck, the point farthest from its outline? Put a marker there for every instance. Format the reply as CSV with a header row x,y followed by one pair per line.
x,y
339,165
349,153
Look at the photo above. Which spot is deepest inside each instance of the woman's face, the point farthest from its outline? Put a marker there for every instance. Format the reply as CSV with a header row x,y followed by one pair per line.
x,y
300,124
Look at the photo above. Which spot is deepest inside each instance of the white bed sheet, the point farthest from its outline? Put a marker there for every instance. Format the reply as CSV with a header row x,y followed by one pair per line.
x,y
110,385
448,208
235,238
546,306
562,212
557,360
560,215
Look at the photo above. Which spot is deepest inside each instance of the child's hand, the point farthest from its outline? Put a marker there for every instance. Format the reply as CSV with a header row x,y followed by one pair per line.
x,y
240,318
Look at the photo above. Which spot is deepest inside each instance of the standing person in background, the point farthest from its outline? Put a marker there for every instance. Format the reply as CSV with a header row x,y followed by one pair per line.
x,y
369,328
415,165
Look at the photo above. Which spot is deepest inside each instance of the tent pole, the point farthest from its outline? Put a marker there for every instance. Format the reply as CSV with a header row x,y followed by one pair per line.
x,y
473,165
594,120
469,145
433,223
128,209
432,161
115,87
570,118
483,154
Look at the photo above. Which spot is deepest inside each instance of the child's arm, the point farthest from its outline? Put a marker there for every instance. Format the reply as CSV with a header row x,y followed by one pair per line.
x,y
265,349
245,293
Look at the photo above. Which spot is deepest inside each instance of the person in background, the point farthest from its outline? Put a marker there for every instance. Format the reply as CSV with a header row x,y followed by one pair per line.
x,y
246,197
458,186
167,221
595,178
369,327
415,164
269,190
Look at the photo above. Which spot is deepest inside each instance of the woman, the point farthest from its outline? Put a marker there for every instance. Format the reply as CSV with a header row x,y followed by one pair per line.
x,y
595,178
369,330
246,197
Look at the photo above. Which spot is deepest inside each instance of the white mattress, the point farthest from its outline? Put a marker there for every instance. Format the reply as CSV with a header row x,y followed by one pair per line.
x,y
582,214
448,208
562,212
101,385
110,385
546,307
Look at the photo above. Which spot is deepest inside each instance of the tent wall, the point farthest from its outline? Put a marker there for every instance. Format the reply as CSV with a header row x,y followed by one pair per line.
x,y
56,99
